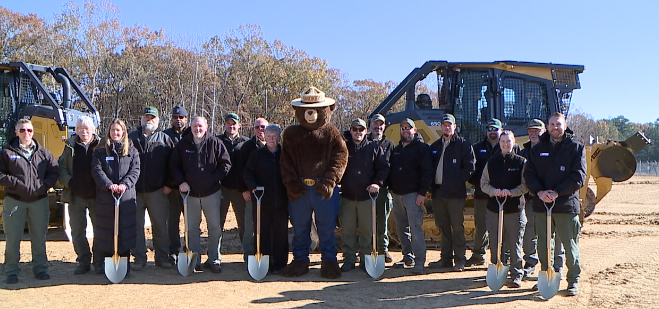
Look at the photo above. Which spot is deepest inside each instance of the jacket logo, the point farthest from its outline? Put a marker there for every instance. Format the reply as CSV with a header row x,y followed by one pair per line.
x,y
562,168
14,157
109,158
189,151
455,161
544,154
512,169
483,150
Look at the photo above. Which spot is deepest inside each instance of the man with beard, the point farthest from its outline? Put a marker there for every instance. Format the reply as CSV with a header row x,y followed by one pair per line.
x,y
179,128
410,177
453,162
384,202
554,172
155,148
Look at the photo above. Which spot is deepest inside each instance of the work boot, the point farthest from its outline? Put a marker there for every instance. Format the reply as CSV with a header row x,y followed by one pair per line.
x,y
216,267
529,270
387,257
164,265
459,266
418,269
404,263
573,289
442,263
81,269
296,269
99,269
12,279
138,265
516,284
330,270
348,266
42,276
474,260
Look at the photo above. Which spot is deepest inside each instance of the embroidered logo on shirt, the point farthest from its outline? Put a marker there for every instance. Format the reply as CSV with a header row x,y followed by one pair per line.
x,y
483,150
562,168
109,158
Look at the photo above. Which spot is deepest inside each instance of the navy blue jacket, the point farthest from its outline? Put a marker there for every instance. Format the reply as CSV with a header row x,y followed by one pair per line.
x,y
410,168
458,166
367,165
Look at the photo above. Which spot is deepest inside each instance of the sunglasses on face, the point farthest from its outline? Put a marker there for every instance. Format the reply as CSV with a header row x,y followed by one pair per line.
x,y
492,129
23,130
178,117
357,129
406,128
259,127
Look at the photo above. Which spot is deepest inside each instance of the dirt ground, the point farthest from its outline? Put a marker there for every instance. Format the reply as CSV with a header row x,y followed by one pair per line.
x,y
619,256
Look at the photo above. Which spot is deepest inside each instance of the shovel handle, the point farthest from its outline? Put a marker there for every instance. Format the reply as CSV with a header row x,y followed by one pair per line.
x,y
500,228
549,253
258,219
184,196
117,201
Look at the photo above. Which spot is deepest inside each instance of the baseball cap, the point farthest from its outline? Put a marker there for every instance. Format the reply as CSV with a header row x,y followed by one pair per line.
x,y
150,110
233,117
358,122
409,121
448,118
536,124
378,117
494,123
179,110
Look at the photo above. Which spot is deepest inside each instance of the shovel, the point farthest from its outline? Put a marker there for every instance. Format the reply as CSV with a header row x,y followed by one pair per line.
x,y
257,265
549,280
374,262
116,267
186,260
497,274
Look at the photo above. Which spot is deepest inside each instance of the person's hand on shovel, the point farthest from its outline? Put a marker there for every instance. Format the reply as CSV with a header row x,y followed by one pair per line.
x,y
374,188
247,196
184,187
547,196
117,188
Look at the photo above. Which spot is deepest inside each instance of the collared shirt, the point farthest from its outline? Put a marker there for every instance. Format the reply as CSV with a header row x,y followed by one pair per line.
x,y
439,174
27,151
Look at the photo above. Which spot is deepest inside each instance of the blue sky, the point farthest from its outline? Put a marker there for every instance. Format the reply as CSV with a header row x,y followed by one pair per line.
x,y
616,41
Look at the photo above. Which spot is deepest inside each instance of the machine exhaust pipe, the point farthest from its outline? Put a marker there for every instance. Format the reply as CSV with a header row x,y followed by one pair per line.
x,y
66,90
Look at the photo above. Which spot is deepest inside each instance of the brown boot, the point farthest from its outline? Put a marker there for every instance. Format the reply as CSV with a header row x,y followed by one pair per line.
x,y
330,270
296,269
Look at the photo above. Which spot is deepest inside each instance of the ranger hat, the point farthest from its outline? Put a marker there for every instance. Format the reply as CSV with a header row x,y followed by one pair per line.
x,y
409,121
358,123
179,110
150,110
448,118
536,124
232,116
312,97
496,123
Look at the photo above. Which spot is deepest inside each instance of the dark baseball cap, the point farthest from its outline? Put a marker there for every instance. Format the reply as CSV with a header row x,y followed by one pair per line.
x,y
448,118
232,116
179,110
494,123
536,124
150,110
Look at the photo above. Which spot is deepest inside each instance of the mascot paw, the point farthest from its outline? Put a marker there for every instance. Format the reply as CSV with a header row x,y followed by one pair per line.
x,y
325,189
296,269
330,270
295,189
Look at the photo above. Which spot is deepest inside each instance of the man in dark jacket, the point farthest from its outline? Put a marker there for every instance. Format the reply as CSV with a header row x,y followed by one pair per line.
x,y
365,173
155,148
384,202
244,150
453,163
80,191
179,127
231,186
199,163
27,171
555,171
410,175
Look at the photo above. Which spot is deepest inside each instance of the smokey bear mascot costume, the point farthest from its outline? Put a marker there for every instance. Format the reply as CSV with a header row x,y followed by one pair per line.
x,y
313,159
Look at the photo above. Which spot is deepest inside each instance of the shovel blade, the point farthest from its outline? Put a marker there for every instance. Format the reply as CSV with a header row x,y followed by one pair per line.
x,y
186,262
374,266
496,276
548,284
258,268
115,272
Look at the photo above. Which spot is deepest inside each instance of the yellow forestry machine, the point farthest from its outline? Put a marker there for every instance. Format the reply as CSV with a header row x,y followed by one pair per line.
x,y
512,91
52,100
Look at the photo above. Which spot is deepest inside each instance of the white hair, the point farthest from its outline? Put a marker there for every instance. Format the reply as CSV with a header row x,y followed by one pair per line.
x,y
86,120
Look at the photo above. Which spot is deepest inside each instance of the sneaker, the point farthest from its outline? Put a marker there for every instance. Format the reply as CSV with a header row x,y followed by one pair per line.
x,y
418,269
12,279
81,269
216,268
442,263
459,266
348,266
529,270
99,269
172,259
516,284
474,261
387,257
42,276
404,263
198,268
164,265
573,289
138,265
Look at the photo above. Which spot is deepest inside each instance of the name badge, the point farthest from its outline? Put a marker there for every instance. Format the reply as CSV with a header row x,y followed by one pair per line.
x,y
562,168
544,154
109,158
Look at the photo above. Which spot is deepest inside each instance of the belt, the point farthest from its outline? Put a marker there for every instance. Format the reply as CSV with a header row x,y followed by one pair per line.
x,y
309,181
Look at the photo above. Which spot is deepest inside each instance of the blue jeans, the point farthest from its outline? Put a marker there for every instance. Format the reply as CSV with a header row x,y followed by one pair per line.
x,y
301,211
409,219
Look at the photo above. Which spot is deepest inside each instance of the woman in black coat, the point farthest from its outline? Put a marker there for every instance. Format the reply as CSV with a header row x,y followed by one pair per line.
x,y
263,169
115,168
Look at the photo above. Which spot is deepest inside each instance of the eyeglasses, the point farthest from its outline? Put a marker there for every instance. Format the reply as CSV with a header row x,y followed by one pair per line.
x,y
492,129
259,127
23,130
178,117
406,128
357,129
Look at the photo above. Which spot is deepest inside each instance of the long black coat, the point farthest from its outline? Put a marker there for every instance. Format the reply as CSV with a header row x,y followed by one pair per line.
x,y
263,169
108,169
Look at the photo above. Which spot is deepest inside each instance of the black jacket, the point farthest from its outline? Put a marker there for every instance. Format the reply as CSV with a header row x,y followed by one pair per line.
x,y
235,176
483,151
202,169
386,144
458,166
75,165
244,150
410,168
560,167
155,151
263,169
175,136
367,165
27,180
108,169
505,172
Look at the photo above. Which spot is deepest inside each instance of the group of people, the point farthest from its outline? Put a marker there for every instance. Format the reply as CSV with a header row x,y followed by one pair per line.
x,y
149,169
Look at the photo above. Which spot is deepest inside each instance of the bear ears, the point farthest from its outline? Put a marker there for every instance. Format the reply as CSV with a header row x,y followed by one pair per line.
x,y
312,97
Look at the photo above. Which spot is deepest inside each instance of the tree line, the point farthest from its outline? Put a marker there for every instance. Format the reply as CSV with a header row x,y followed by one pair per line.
x,y
125,68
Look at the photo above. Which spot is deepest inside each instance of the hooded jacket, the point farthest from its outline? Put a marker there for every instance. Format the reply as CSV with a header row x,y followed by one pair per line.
x,y
75,166
557,166
27,180
410,168
458,166
201,168
367,165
